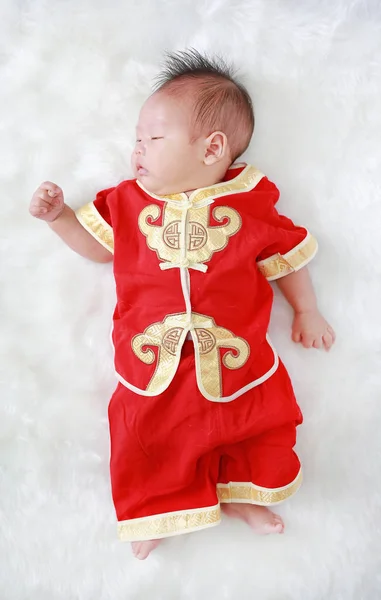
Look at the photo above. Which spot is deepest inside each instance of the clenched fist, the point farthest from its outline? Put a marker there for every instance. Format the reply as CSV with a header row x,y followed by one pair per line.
x,y
47,202
312,330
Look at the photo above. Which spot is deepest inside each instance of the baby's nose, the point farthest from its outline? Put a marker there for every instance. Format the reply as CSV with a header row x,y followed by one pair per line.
x,y
139,148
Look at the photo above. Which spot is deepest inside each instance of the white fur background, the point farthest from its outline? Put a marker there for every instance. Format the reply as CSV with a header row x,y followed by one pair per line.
x,y
73,75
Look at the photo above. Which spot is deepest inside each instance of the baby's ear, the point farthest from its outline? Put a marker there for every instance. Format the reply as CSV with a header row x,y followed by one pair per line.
x,y
216,148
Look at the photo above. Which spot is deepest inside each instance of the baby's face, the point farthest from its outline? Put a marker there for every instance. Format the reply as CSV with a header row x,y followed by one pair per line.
x,y
164,159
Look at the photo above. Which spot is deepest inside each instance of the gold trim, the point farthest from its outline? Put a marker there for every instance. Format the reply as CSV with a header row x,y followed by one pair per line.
x,y
247,180
169,524
95,224
249,493
180,197
237,166
279,265
303,253
186,521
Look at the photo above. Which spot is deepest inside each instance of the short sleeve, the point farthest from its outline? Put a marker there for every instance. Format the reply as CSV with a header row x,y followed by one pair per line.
x,y
95,217
289,247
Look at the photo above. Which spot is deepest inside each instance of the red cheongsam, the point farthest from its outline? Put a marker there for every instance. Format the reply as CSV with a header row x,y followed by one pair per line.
x,y
204,411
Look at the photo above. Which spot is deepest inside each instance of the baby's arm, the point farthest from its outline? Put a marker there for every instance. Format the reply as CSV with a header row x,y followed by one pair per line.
x,y
48,205
309,326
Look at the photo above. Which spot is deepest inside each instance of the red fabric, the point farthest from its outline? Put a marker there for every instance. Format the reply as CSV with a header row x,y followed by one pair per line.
x,y
233,291
101,204
284,234
168,452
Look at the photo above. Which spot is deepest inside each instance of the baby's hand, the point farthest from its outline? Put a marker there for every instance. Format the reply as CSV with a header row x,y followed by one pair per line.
x,y
47,202
312,330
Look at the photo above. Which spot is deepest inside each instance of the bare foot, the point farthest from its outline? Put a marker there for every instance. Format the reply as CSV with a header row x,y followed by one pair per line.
x,y
142,549
261,519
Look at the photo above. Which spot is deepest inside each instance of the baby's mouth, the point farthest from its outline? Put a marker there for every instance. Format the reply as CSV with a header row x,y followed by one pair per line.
x,y
141,170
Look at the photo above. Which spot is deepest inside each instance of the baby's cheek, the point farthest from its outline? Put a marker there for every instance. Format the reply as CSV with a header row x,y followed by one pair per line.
x,y
133,162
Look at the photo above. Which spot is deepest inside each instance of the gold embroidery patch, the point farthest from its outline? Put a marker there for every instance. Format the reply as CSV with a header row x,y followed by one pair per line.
x,y
168,338
206,341
171,235
211,339
186,232
171,339
197,236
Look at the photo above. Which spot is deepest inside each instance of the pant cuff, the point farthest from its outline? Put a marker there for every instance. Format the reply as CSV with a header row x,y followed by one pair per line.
x,y
169,524
249,493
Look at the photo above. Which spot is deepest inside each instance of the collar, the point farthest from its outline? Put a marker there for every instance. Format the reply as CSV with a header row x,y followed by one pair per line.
x,y
247,179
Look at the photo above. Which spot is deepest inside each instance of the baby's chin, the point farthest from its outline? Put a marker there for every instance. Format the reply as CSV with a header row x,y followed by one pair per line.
x,y
146,181
152,186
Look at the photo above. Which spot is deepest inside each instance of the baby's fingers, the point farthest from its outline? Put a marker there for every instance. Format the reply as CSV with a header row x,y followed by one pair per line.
x,y
39,206
38,209
308,340
50,187
47,198
296,336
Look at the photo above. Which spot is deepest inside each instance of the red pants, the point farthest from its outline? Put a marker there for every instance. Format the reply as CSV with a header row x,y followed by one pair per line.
x,y
176,456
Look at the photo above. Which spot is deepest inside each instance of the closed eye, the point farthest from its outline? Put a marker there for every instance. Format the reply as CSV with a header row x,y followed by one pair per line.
x,y
157,138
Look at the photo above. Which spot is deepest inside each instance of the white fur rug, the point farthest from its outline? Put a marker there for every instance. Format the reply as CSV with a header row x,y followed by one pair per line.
x,y
73,75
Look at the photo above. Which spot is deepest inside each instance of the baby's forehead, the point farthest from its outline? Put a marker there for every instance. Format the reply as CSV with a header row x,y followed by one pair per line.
x,y
165,110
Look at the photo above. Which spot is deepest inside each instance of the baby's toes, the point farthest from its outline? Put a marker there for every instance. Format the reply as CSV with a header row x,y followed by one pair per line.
x,y
272,527
279,528
278,523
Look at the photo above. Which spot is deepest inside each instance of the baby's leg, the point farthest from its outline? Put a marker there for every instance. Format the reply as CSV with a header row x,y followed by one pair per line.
x,y
258,473
142,549
164,467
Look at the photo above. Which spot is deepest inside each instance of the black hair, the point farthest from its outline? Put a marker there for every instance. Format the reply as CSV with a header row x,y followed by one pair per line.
x,y
221,101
